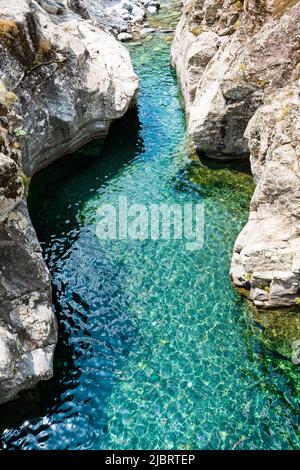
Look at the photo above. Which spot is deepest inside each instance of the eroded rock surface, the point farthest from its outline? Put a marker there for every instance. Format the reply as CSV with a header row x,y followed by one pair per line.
x,y
266,255
238,66
63,80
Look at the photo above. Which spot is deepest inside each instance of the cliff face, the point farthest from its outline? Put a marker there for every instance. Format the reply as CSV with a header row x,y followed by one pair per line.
x,y
63,80
238,66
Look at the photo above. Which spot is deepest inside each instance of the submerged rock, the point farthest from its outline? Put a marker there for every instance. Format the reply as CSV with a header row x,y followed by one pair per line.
x,y
63,81
238,66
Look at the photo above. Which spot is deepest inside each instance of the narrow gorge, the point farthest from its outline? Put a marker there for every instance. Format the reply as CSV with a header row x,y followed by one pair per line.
x,y
153,347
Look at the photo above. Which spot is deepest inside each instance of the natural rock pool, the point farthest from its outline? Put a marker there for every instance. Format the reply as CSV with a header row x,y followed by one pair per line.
x,y
156,350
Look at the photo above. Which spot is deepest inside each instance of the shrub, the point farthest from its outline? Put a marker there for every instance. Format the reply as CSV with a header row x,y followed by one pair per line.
x,y
21,133
10,98
196,31
8,28
44,47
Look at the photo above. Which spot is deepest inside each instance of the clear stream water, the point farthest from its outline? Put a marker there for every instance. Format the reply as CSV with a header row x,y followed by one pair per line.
x,y
156,349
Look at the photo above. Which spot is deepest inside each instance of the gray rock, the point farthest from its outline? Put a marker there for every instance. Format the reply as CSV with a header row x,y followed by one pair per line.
x,y
124,37
267,252
239,73
63,80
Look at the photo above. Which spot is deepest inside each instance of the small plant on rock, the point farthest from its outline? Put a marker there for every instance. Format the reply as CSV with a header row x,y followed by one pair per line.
x,y
26,182
10,99
285,112
8,29
44,49
20,132
196,31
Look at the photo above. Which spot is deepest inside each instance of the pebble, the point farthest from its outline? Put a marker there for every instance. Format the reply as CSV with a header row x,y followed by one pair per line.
x,y
152,10
125,37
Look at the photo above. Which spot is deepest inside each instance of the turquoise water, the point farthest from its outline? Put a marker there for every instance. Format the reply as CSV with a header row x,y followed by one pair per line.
x,y
156,350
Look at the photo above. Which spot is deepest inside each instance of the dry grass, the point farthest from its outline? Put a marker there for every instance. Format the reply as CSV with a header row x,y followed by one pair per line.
x,y
285,112
242,67
238,5
10,98
282,5
8,28
44,47
237,24
196,31
189,7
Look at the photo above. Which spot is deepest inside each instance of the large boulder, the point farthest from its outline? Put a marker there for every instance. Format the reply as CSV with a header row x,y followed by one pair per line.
x,y
228,56
238,67
266,256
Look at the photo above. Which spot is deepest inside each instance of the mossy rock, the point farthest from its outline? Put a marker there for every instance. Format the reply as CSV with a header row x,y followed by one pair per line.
x,y
280,328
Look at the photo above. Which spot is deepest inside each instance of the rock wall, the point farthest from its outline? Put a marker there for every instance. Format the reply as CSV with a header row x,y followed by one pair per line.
x,y
63,80
238,64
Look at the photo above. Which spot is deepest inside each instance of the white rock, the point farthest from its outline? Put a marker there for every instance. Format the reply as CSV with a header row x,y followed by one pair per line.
x,y
152,10
125,37
138,14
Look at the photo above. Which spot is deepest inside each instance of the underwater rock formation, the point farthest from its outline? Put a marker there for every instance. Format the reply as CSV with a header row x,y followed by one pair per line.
x,y
63,80
238,64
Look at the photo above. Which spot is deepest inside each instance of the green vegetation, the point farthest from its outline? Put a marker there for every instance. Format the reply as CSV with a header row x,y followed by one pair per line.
x,y
196,31
21,133
10,99
222,175
238,5
280,328
26,182
237,24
